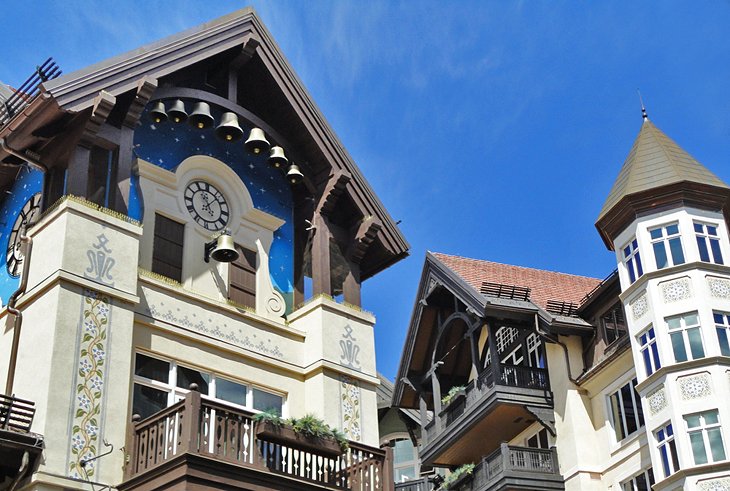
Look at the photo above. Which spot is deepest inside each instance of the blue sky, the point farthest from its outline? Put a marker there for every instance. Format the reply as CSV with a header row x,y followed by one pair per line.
x,y
493,130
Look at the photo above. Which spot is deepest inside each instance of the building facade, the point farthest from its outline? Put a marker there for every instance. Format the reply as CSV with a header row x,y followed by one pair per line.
x,y
185,243
529,379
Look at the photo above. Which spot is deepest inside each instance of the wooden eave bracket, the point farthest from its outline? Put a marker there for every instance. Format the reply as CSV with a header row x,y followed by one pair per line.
x,y
103,105
365,235
145,88
545,416
332,191
248,50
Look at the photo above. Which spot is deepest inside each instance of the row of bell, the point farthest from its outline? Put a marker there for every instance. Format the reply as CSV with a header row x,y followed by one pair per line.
x,y
228,130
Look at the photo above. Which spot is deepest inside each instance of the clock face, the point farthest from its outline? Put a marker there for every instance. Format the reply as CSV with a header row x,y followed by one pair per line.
x,y
27,215
206,205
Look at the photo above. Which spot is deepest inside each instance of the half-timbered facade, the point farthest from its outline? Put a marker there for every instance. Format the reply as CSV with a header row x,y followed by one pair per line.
x,y
185,243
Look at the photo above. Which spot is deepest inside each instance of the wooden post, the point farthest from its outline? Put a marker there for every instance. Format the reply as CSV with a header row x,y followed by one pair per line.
x,y
387,473
351,285
191,422
504,450
77,180
321,270
492,338
436,399
423,407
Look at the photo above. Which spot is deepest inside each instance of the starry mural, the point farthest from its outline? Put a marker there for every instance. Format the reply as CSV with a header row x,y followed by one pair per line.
x,y
167,144
29,182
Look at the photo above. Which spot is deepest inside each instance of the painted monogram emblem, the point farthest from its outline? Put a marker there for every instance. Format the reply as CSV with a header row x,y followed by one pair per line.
x,y
100,262
350,350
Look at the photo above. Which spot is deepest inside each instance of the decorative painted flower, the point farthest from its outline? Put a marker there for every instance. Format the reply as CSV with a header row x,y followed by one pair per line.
x,y
91,430
98,353
103,310
90,326
84,402
85,366
354,392
347,408
77,443
96,383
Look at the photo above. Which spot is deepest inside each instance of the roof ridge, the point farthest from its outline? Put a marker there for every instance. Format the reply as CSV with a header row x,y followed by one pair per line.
x,y
515,266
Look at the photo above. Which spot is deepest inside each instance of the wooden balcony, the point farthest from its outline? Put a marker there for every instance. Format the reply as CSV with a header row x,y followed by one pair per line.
x,y
200,444
514,468
422,484
495,407
16,439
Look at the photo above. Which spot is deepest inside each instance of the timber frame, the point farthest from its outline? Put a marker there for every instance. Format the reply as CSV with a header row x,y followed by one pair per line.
x,y
343,234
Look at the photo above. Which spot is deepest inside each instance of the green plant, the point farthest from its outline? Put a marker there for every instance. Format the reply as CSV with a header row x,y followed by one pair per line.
x,y
454,476
445,400
269,416
311,426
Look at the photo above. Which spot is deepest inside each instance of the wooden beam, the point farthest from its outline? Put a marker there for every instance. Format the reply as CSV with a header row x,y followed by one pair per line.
x,y
248,50
103,105
365,235
321,270
145,88
334,188
351,284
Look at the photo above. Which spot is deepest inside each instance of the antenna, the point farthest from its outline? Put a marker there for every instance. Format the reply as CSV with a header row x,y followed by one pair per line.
x,y
643,109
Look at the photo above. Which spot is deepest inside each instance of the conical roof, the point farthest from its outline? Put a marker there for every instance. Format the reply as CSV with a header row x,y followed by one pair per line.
x,y
655,161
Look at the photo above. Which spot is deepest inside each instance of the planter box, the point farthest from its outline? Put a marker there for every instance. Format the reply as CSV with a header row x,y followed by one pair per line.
x,y
285,435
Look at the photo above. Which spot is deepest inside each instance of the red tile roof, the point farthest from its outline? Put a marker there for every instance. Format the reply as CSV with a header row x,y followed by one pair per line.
x,y
544,285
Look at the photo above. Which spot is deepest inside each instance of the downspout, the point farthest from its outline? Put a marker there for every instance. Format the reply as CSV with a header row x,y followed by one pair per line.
x,y
32,160
557,341
24,464
18,315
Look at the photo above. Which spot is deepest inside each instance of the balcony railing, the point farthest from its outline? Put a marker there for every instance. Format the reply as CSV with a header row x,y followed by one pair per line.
x,y
213,429
516,468
518,376
422,484
16,414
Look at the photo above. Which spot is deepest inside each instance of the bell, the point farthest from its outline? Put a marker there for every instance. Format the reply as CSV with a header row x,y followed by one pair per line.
x,y
200,117
257,142
277,157
229,130
158,113
294,175
225,251
177,113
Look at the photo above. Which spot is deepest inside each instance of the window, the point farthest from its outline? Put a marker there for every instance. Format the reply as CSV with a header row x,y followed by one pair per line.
x,y
667,245
667,449
159,383
539,440
626,411
649,351
722,324
242,278
640,482
405,461
705,432
535,355
632,259
708,243
684,331
167,250
102,176
614,323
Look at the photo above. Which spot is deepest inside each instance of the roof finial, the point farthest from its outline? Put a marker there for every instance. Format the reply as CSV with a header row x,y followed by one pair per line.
x,y
643,109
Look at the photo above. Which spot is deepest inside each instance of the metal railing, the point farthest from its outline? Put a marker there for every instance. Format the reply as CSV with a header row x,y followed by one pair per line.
x,y
16,414
214,429
28,90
